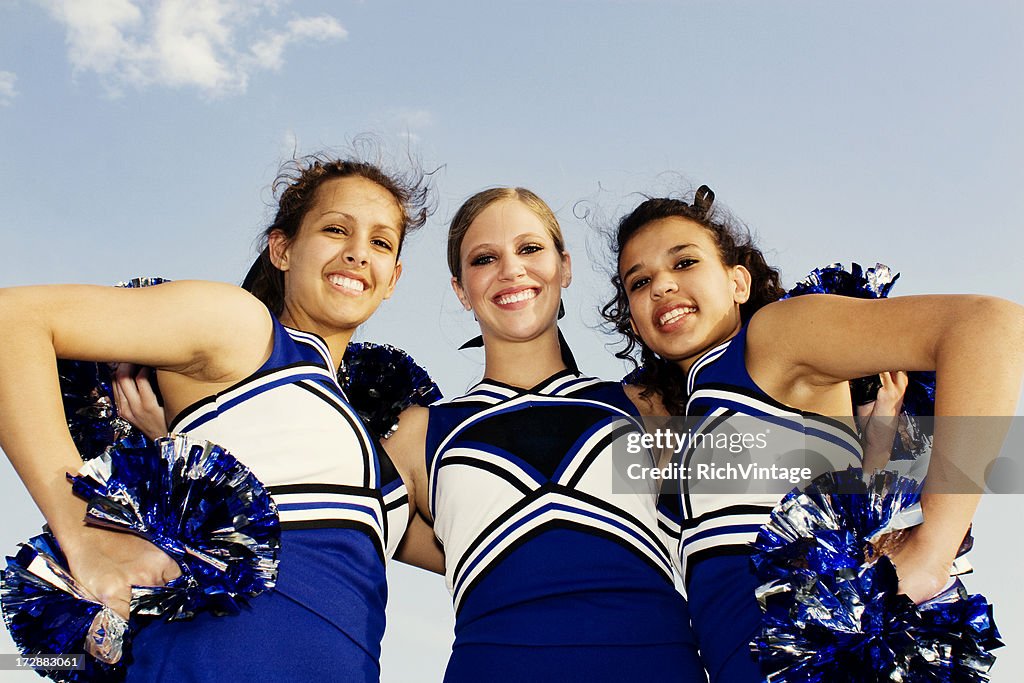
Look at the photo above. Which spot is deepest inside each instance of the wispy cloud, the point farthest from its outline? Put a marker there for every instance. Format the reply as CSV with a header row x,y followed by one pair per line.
x,y
211,45
410,122
7,91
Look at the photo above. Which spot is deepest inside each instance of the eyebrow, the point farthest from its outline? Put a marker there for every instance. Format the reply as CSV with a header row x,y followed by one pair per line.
x,y
671,250
520,237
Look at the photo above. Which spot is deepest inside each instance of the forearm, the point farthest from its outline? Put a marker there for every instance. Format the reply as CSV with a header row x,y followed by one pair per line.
x,y
33,432
979,365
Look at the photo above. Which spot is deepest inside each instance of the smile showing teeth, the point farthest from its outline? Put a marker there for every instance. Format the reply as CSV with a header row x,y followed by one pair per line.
x,y
524,295
346,283
675,314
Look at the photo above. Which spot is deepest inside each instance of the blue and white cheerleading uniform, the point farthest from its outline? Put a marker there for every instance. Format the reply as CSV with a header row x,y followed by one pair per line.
x,y
343,509
554,575
714,529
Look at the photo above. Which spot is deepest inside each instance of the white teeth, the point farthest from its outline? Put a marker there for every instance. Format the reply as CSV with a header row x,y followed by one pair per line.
x,y
675,314
518,296
347,283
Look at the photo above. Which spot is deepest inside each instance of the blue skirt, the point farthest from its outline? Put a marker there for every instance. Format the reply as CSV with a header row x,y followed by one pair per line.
x,y
725,617
473,663
323,622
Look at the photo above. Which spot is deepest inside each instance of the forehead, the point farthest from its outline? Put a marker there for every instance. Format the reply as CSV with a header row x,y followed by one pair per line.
x,y
504,221
363,199
659,238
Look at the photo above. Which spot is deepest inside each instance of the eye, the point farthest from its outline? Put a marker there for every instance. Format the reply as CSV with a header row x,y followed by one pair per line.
x,y
481,260
685,262
382,243
530,248
639,283
336,229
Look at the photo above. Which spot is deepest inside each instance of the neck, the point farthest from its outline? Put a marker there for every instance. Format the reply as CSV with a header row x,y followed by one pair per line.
x,y
686,363
523,364
337,344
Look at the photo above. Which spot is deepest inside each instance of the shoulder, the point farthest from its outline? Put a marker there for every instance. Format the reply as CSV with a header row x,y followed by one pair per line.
x,y
408,438
231,329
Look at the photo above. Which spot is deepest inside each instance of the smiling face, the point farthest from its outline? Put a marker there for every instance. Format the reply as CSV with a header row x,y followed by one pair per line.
x,y
343,261
512,273
682,299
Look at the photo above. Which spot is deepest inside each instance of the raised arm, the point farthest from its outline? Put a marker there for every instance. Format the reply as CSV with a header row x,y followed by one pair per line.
x,y
976,346
201,333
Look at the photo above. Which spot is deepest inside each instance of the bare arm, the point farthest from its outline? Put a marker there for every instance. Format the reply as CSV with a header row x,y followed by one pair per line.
x,y
183,327
976,346
406,446
420,546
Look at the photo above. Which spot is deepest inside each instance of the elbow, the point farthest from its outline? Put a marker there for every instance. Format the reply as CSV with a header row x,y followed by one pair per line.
x,y
999,322
1005,317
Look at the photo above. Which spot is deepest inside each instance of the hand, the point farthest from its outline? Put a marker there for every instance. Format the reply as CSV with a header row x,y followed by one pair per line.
x,y
880,419
136,401
923,572
108,563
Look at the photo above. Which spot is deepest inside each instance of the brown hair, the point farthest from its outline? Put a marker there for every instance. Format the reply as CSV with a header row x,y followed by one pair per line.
x,y
295,190
476,205
735,247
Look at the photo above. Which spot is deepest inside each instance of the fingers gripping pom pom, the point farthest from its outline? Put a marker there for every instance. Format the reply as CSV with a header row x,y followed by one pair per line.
x,y
831,606
381,381
190,498
49,613
197,503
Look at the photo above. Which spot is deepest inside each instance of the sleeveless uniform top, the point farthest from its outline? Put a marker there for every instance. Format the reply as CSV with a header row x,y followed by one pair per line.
x,y
723,399
343,509
540,550
291,424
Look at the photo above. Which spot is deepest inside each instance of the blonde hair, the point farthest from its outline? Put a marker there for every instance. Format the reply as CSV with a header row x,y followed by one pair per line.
x,y
476,204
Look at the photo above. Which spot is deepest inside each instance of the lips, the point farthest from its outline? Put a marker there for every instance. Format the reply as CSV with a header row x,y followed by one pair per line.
x,y
348,283
510,297
667,316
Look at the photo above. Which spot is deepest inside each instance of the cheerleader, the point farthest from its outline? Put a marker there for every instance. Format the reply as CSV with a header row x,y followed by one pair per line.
x,y
696,297
554,575
258,376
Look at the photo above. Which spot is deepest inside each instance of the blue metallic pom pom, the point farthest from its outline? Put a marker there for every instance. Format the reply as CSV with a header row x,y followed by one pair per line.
x,y
196,502
381,381
830,602
914,437
873,283
48,613
137,282
89,409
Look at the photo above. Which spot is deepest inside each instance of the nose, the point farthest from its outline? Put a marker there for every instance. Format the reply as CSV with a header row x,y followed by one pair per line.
x,y
357,251
511,268
662,284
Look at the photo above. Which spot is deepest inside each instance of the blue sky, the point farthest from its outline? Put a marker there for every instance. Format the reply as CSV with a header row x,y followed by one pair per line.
x,y
141,138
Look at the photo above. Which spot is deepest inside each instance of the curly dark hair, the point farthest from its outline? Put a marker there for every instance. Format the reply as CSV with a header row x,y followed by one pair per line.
x,y
735,247
295,190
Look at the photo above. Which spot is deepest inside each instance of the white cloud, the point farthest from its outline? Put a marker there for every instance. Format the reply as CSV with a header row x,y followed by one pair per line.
x,y
7,91
211,45
267,53
411,121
